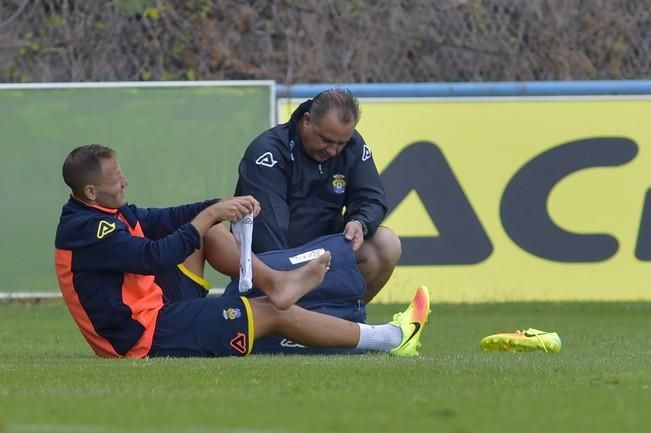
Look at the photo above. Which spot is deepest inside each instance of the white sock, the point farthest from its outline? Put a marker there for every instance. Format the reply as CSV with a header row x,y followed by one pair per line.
x,y
243,233
379,337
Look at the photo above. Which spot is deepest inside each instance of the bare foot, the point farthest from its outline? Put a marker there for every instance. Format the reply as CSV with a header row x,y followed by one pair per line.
x,y
289,287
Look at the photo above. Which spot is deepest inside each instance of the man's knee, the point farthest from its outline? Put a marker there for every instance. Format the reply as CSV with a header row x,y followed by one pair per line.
x,y
216,239
217,231
268,319
387,246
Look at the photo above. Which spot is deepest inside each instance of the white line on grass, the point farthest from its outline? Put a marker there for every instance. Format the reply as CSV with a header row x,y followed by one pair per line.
x,y
82,428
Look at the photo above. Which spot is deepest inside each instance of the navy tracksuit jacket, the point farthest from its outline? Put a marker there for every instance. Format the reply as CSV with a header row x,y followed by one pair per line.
x,y
303,199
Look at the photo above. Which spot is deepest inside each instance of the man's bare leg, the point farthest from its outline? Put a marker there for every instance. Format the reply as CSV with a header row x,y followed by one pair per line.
x,y
282,288
377,258
300,325
400,337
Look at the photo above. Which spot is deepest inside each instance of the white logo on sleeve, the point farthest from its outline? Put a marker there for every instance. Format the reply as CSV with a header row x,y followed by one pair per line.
x,y
367,153
266,159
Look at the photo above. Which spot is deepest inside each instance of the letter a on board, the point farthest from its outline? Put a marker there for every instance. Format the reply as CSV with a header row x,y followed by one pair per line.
x,y
643,248
461,238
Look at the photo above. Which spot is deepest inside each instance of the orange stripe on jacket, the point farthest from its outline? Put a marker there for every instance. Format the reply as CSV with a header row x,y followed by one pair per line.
x,y
145,298
139,292
63,262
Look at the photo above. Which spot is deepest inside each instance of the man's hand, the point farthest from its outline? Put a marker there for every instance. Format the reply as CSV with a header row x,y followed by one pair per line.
x,y
354,233
236,208
232,209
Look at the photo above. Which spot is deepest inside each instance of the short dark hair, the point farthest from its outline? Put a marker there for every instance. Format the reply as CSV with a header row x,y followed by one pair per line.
x,y
336,99
83,166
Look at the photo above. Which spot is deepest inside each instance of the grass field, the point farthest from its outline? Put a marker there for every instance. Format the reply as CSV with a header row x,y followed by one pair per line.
x,y
600,382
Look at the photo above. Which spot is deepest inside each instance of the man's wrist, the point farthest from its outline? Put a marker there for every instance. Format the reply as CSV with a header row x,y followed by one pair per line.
x,y
363,224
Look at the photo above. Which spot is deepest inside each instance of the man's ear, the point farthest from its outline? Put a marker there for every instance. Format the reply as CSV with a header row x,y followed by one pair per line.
x,y
306,118
90,192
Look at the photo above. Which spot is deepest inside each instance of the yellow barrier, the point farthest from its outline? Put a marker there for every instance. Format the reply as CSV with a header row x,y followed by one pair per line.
x,y
515,199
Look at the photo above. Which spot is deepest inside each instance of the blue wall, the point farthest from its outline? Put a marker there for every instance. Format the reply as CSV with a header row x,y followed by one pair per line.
x,y
523,88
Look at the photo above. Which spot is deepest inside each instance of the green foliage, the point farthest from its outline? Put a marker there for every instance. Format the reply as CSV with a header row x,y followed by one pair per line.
x,y
152,13
334,41
50,381
201,8
99,25
56,20
130,7
354,8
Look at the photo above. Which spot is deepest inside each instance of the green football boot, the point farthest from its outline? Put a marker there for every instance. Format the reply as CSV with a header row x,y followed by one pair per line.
x,y
522,341
411,323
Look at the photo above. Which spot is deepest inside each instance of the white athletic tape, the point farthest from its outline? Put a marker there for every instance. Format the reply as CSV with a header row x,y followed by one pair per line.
x,y
306,257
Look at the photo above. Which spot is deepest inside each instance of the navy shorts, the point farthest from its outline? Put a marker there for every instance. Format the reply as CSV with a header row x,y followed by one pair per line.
x,y
204,327
181,284
339,295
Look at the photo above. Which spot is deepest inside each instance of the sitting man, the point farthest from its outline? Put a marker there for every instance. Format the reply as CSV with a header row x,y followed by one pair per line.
x,y
121,268
315,176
